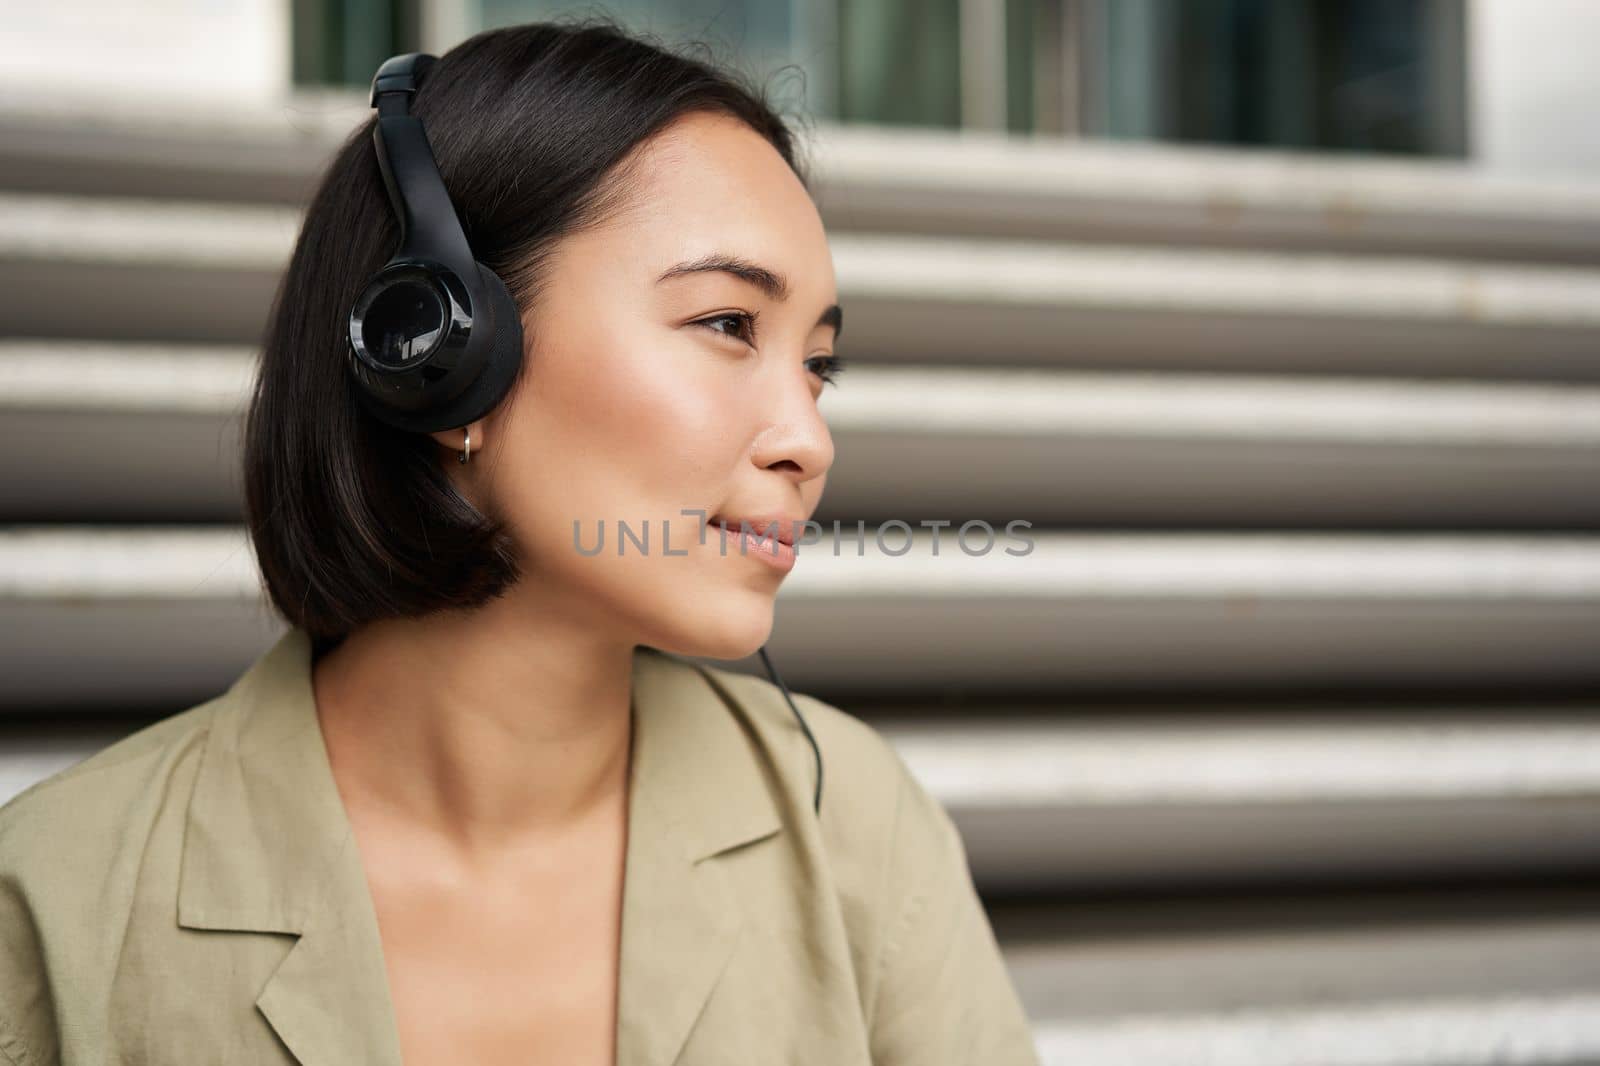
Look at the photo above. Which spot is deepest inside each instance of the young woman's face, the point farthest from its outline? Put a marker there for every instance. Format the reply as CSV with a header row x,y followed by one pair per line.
x,y
661,390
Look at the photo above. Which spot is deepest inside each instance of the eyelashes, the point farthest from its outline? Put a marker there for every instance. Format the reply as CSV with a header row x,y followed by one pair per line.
x,y
832,365
747,329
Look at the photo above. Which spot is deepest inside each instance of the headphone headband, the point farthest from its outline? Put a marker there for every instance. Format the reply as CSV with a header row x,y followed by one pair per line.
x,y
401,74
429,228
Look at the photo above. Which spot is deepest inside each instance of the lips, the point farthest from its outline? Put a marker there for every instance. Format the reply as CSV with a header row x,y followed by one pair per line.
x,y
762,527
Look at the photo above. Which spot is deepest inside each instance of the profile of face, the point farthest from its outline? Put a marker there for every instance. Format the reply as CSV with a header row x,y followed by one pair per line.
x,y
663,377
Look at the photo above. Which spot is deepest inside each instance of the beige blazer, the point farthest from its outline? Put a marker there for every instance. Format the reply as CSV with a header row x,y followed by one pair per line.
x,y
192,894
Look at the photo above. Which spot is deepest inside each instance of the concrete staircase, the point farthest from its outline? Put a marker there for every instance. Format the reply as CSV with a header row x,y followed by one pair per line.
x,y
1281,746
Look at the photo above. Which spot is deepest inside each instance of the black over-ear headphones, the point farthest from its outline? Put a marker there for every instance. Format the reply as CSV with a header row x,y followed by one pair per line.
x,y
435,340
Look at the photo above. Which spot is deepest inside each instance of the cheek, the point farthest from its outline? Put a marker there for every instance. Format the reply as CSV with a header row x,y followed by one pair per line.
x,y
630,424
648,409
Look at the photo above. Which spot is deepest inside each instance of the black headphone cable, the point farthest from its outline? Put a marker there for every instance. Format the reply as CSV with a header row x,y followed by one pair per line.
x,y
816,751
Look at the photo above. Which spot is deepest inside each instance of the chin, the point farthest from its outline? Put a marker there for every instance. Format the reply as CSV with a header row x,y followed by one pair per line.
x,y
721,628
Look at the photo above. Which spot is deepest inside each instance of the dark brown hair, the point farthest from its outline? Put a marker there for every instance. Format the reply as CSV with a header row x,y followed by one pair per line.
x,y
350,519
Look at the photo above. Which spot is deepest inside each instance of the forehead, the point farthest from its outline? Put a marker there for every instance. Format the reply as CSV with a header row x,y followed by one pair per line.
x,y
708,182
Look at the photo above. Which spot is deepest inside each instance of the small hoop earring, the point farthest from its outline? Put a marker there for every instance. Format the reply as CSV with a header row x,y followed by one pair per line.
x,y
466,452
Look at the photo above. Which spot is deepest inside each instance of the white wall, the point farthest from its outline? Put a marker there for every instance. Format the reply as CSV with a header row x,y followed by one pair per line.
x,y
1533,71
233,50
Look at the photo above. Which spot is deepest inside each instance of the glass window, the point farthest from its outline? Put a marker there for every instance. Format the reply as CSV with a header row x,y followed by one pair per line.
x,y
1363,75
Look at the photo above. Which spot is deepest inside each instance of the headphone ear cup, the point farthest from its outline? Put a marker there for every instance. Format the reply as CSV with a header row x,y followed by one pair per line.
x,y
503,360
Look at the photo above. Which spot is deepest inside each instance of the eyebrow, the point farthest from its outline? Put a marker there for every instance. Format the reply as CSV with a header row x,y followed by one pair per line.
x,y
772,284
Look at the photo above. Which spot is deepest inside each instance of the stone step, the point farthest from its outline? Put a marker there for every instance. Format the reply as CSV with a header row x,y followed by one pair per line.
x,y
153,270
97,431
1075,796
122,615
1448,977
888,179
978,183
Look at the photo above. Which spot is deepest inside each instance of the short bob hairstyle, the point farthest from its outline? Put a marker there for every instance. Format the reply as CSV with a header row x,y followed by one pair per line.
x,y
352,520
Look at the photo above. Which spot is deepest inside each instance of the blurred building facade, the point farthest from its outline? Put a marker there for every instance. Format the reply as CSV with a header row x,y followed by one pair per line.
x,y
1385,76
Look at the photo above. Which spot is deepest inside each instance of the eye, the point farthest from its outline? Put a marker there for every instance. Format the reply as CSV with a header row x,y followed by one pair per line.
x,y
745,325
830,367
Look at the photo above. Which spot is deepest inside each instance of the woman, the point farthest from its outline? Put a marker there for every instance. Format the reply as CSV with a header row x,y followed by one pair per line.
x,y
476,805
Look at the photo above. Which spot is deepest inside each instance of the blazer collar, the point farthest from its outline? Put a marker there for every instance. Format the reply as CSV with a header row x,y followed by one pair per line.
x,y
269,848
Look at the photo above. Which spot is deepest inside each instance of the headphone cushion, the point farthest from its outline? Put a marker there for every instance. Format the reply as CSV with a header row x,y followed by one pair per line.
x,y
504,359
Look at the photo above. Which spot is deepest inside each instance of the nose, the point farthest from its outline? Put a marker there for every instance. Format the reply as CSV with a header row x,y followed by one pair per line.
x,y
796,440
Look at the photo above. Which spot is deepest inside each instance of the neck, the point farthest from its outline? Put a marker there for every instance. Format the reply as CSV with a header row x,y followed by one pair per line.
x,y
490,732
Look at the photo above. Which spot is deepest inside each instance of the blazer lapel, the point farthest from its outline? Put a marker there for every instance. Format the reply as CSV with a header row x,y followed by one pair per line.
x,y
697,791
270,848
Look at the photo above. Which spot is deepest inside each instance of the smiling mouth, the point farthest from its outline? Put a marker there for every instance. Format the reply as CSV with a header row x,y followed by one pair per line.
x,y
762,530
